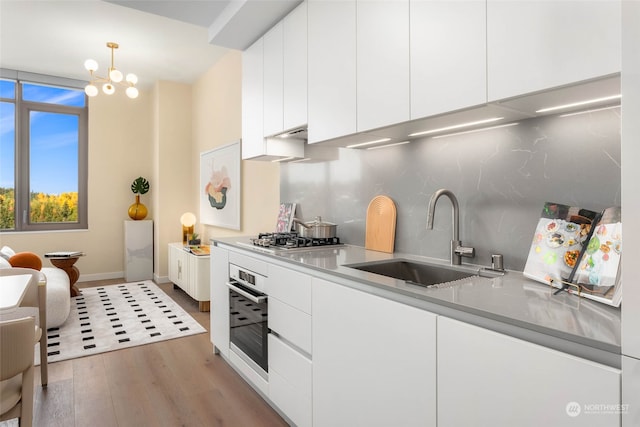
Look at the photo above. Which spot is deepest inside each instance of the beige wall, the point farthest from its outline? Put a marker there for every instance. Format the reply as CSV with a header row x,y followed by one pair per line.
x,y
172,166
217,121
159,136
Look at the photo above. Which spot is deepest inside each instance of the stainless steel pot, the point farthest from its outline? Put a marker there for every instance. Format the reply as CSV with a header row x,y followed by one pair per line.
x,y
316,229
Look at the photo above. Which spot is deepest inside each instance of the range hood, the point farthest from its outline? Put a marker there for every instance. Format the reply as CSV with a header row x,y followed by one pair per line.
x,y
299,133
284,146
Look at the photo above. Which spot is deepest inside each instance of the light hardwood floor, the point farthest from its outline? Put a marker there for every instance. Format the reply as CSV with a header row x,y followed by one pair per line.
x,y
179,382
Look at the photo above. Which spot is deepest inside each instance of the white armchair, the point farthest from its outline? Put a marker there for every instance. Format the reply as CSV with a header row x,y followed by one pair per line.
x,y
33,304
16,370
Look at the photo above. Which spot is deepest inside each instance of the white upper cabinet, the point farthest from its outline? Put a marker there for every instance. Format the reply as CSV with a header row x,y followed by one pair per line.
x,y
253,143
332,69
295,68
448,56
269,71
382,63
537,45
273,81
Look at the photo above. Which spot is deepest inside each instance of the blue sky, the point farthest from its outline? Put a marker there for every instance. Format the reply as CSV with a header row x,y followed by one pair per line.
x,y
54,140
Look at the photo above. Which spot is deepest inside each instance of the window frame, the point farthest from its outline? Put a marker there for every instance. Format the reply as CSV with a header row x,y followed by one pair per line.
x,y
22,143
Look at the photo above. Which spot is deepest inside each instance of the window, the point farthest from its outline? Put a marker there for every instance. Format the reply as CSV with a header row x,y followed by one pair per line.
x,y
43,154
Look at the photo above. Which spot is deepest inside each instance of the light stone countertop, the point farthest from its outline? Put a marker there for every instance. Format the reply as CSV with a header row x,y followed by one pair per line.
x,y
510,304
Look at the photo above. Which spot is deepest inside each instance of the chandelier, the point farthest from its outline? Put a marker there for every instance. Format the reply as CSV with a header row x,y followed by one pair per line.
x,y
114,76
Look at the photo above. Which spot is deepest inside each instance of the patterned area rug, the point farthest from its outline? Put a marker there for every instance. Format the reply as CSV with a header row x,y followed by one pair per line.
x,y
113,317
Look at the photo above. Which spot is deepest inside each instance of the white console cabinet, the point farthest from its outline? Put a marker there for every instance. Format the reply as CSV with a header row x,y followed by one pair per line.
x,y
190,273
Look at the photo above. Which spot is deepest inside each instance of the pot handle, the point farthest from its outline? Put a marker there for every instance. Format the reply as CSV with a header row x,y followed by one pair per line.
x,y
297,221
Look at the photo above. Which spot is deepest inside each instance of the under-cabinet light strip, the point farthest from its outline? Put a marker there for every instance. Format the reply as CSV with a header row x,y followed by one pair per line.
x,y
473,131
578,104
388,145
589,111
306,159
363,144
284,159
461,125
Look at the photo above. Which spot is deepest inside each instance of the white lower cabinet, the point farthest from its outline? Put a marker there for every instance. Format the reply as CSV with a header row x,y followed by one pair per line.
x,y
290,381
290,343
489,379
374,360
219,299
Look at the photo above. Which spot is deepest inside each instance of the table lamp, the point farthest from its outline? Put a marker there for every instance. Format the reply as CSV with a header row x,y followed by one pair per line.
x,y
187,220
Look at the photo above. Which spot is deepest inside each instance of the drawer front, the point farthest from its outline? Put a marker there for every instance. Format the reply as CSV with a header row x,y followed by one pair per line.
x,y
290,376
248,263
290,287
295,405
291,324
291,365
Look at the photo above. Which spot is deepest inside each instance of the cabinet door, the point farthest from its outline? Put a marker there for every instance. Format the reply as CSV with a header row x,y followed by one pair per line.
x,y
382,63
373,360
273,81
536,45
295,68
253,143
448,56
179,266
290,376
486,378
219,275
332,69
199,286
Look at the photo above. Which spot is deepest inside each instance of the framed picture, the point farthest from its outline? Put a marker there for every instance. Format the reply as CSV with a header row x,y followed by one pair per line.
x,y
220,186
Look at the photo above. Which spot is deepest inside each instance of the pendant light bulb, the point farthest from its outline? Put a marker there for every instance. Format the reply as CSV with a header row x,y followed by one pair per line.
x,y
108,88
132,78
115,75
91,90
91,65
132,92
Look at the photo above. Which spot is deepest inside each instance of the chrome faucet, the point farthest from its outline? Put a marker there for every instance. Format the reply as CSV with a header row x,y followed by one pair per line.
x,y
457,250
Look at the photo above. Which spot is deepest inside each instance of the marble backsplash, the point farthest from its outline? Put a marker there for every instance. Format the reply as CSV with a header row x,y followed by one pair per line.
x,y
501,178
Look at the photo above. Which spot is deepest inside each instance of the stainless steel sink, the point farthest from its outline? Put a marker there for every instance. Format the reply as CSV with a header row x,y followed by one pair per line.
x,y
416,273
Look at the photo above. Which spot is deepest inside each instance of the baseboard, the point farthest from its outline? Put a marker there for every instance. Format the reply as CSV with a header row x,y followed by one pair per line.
x,y
161,279
117,275
101,276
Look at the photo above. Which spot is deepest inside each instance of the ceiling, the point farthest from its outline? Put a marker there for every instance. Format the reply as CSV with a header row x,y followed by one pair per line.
x,y
175,40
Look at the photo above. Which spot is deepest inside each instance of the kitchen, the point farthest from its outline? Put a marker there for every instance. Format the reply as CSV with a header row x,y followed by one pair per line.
x,y
501,178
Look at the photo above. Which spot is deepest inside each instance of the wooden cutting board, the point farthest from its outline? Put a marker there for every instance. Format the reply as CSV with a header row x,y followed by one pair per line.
x,y
381,225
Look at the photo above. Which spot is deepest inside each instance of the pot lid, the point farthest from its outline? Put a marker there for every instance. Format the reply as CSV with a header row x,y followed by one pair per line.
x,y
318,222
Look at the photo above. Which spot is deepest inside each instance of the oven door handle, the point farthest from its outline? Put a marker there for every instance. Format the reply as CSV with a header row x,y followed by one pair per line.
x,y
257,299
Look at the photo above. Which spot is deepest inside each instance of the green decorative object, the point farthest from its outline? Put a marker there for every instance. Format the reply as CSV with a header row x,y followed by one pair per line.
x,y
140,185
138,211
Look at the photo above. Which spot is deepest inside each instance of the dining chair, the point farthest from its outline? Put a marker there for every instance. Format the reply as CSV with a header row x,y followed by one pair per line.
x,y
33,304
16,370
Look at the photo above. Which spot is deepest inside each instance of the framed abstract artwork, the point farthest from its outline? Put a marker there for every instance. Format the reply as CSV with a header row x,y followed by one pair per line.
x,y
220,186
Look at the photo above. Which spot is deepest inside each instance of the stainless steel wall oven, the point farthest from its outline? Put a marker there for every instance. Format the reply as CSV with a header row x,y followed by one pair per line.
x,y
248,317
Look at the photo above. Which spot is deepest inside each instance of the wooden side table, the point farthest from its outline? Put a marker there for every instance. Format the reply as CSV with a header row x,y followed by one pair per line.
x,y
65,261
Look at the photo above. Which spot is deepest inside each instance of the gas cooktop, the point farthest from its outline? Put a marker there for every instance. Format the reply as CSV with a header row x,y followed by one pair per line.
x,y
286,242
